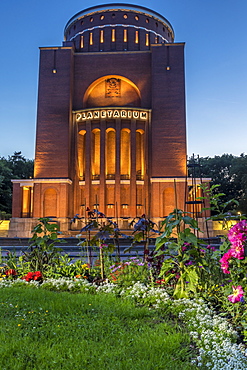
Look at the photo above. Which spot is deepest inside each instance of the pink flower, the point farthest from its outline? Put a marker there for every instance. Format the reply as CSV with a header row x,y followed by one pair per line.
x,y
238,293
238,236
225,261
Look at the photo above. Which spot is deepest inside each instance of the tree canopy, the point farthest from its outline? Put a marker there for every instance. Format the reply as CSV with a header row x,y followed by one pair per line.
x,y
15,166
228,171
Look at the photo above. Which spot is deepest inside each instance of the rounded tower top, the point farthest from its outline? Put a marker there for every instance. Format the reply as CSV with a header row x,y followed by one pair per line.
x,y
117,27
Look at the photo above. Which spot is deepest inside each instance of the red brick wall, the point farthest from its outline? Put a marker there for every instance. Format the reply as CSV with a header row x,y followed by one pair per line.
x,y
54,114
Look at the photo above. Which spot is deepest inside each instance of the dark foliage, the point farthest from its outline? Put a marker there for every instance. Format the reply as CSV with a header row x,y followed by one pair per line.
x,y
13,167
228,171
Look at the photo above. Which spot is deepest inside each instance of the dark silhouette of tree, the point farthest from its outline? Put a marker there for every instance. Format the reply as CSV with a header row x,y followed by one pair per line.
x,y
228,171
15,166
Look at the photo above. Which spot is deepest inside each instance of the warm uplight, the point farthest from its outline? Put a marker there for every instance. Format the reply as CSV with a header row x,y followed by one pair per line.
x,y
91,38
147,39
82,42
137,37
113,35
125,36
101,36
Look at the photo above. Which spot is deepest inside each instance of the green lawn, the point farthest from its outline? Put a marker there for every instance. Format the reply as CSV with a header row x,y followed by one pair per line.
x,y
48,330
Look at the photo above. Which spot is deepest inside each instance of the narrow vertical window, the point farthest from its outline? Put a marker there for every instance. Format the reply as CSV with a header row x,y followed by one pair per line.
x,y
125,154
156,40
82,42
113,35
125,36
95,154
137,37
91,38
147,39
101,36
110,152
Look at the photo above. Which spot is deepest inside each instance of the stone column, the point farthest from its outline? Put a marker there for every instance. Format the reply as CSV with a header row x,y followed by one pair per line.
x,y
133,169
88,179
102,167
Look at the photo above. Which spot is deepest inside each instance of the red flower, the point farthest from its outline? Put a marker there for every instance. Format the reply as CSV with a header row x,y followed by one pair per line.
x,y
10,272
37,276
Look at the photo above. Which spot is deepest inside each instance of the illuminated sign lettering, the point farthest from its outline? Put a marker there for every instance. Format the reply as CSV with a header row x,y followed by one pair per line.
x,y
111,113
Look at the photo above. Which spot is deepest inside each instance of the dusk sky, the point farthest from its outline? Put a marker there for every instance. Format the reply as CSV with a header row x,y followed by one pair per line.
x,y
215,33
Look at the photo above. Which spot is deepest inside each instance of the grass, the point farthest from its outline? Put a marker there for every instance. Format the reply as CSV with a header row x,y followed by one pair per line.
x,y
47,330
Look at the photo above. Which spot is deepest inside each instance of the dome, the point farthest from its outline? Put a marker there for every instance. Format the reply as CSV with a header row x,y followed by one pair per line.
x,y
117,27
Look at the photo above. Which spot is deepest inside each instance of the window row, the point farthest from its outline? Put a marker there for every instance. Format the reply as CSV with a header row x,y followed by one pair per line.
x,y
125,16
91,38
109,154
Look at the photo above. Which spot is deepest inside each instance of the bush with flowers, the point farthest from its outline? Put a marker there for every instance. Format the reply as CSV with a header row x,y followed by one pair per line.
x,y
126,272
233,288
181,267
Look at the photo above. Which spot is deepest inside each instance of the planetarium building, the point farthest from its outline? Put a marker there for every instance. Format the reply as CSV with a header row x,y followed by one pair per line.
x,y
111,130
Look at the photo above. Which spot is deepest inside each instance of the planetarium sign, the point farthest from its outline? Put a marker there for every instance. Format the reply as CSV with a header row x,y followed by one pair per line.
x,y
111,113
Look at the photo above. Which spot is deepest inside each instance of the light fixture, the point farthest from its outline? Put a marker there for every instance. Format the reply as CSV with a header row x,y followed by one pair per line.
x,y
110,205
54,70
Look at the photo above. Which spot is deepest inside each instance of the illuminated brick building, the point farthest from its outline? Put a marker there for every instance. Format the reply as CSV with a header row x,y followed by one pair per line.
x,y
111,124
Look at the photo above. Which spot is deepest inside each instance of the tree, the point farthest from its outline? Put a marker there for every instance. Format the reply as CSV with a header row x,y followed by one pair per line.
x,y
14,167
228,171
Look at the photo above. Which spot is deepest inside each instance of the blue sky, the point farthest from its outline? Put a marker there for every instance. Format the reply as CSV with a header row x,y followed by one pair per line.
x,y
215,33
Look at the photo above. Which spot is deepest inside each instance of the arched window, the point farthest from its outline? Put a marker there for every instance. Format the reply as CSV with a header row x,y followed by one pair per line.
x,y
140,155
110,152
95,154
125,154
81,144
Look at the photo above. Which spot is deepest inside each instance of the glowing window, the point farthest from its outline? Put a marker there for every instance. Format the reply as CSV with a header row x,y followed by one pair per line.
x,y
125,36
91,19
82,42
137,37
147,20
113,35
147,39
156,40
91,38
101,36
136,18
102,17
125,16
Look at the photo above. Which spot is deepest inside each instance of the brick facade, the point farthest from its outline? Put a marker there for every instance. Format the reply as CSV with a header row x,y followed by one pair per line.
x,y
111,124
